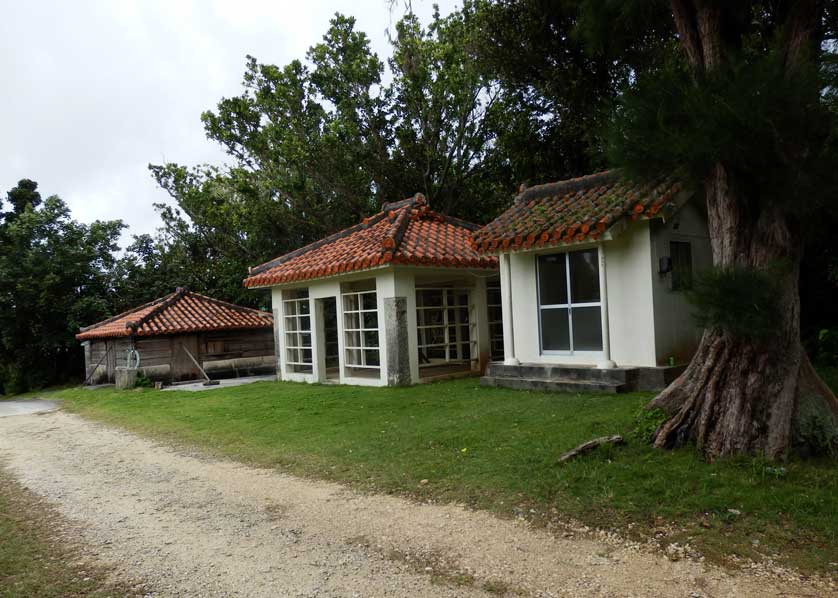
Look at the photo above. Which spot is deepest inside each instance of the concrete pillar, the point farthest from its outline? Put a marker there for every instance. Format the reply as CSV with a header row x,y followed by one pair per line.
x,y
318,343
398,350
481,319
279,336
318,353
509,357
404,285
606,362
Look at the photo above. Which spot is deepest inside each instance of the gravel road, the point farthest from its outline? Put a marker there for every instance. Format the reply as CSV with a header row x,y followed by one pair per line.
x,y
194,526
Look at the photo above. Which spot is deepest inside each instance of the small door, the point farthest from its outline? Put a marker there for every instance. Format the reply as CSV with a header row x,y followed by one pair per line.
x,y
183,368
110,360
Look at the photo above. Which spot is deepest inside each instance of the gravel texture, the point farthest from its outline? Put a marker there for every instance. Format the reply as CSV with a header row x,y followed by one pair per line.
x,y
189,525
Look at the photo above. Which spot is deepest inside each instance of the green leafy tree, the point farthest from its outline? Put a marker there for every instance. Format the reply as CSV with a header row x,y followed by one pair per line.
x,y
445,110
55,276
558,87
745,114
317,145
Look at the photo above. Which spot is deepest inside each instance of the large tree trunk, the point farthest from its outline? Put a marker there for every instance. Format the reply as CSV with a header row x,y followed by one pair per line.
x,y
740,395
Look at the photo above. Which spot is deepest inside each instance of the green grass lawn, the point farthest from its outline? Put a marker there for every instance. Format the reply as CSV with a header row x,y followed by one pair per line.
x,y
496,449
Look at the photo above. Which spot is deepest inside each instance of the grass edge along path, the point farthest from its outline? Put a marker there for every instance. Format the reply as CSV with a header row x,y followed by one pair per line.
x,y
37,555
496,449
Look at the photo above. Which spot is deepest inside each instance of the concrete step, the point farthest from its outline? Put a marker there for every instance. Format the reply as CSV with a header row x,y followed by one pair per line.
x,y
555,384
538,371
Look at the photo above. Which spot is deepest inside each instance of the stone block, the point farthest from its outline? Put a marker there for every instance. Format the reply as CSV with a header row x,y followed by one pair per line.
x,y
125,378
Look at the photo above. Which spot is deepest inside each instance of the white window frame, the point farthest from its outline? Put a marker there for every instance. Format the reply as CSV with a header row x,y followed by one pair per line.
x,y
457,343
361,330
292,312
568,306
495,327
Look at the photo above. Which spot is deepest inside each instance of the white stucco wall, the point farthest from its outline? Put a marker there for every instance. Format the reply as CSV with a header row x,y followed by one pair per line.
x,y
630,301
676,334
647,321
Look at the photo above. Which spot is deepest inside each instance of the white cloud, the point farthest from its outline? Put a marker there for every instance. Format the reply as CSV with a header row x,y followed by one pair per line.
x,y
95,90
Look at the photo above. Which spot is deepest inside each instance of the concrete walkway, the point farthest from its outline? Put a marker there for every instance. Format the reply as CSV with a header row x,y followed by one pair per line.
x,y
226,383
27,407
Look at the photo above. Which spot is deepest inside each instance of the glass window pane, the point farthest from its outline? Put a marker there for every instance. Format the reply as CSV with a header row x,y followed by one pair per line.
x,y
353,357
370,319
584,276
372,357
368,301
305,323
431,298
587,329
555,330
351,321
371,339
682,265
305,340
290,324
303,307
552,279
350,302
435,336
306,355
353,339
435,352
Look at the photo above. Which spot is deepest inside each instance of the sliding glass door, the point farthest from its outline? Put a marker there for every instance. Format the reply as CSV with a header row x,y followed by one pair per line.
x,y
569,302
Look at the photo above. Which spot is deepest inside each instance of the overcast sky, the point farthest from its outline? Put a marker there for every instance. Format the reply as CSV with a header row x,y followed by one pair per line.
x,y
94,91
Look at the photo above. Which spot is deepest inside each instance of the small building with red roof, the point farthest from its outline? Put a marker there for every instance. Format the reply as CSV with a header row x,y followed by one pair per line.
x,y
594,272
170,337
399,298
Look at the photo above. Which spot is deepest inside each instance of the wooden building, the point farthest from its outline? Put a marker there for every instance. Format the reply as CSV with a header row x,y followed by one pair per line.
x,y
169,337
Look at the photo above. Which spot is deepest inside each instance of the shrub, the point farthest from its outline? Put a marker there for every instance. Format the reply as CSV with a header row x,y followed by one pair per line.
x,y
816,431
143,381
742,301
827,347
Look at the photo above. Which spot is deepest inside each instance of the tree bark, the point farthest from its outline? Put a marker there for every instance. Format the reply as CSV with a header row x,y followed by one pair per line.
x,y
741,395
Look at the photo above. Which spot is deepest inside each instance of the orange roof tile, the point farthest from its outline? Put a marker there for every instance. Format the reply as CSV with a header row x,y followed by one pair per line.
x,y
573,211
404,232
178,312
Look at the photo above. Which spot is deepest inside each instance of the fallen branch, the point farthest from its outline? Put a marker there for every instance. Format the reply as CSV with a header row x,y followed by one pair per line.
x,y
586,447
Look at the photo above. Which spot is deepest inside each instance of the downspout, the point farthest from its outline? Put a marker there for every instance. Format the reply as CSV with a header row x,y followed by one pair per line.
x,y
606,362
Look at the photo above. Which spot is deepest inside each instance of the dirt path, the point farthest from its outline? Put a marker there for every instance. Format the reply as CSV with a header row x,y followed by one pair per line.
x,y
194,526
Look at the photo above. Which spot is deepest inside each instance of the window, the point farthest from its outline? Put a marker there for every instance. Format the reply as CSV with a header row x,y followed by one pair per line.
x,y
569,302
443,324
495,311
360,329
297,317
682,265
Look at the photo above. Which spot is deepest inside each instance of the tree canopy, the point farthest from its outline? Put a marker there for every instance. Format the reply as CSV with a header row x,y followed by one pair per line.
x,y
54,278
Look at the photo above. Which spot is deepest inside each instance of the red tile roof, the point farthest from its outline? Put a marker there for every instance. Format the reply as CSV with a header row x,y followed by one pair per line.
x,y
178,312
573,211
404,232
